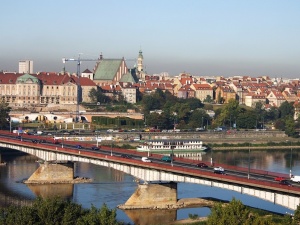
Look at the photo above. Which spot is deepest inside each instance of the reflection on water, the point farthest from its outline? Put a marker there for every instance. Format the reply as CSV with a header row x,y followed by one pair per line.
x,y
147,216
65,191
114,187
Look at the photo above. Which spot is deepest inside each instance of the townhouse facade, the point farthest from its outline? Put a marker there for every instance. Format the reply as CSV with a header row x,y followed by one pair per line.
x,y
202,91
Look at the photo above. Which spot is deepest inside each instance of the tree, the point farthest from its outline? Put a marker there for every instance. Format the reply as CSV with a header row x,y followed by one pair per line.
x,y
228,113
4,115
272,114
208,99
194,103
290,127
297,216
150,102
198,118
259,108
286,109
279,124
235,213
57,211
157,120
208,107
247,119
98,96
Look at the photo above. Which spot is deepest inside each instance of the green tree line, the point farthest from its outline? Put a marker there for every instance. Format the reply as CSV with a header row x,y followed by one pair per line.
x,y
163,110
56,211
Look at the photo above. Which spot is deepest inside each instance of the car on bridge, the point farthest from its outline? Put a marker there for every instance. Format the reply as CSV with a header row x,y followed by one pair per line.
x,y
145,159
78,146
166,158
219,170
202,165
55,141
285,182
95,148
279,178
125,156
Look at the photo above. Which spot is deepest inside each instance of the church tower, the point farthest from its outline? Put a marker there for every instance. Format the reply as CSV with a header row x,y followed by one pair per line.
x,y
140,69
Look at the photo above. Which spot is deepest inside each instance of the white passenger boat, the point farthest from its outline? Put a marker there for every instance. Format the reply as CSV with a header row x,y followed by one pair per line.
x,y
168,146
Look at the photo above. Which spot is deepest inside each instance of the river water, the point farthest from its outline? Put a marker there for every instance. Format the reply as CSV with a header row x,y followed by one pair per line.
x,y
113,187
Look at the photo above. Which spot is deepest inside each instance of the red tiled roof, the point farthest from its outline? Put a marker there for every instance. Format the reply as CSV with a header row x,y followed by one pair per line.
x,y
84,81
202,86
9,78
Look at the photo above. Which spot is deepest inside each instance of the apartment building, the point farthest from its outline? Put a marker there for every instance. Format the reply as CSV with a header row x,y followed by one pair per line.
x,y
26,66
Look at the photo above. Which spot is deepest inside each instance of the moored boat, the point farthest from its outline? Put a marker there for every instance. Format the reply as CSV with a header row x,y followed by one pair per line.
x,y
168,146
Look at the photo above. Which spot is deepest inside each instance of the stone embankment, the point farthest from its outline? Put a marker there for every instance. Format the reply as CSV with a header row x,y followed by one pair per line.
x,y
181,203
76,180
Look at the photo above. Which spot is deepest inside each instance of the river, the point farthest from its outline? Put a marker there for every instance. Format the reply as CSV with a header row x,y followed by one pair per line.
x,y
113,187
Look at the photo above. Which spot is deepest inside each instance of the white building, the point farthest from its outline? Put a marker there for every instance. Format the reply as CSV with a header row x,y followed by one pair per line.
x,y
26,66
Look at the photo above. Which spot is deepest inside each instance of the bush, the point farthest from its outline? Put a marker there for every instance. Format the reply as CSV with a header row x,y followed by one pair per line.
x,y
193,216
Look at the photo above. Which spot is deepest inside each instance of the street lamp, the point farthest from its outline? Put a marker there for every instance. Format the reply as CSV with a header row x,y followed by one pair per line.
x,y
172,148
97,140
10,124
111,150
249,162
211,156
291,155
62,141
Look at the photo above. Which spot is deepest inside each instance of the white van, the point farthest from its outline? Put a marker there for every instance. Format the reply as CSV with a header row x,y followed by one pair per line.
x,y
295,178
145,159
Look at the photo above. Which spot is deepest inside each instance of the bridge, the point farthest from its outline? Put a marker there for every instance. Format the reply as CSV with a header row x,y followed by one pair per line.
x,y
160,178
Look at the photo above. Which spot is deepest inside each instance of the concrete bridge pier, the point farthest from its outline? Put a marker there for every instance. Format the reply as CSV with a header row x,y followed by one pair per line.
x,y
53,172
158,195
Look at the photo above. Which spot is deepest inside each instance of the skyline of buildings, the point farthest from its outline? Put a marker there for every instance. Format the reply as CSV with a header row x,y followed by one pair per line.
x,y
26,66
114,78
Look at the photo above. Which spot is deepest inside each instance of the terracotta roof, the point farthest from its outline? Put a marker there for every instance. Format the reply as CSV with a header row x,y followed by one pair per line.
x,y
202,86
9,78
53,78
84,81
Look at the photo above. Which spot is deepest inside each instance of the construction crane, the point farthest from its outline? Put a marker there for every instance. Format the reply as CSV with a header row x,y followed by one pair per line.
x,y
78,60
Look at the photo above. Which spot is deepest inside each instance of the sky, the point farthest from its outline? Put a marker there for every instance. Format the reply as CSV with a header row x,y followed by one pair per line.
x,y
200,37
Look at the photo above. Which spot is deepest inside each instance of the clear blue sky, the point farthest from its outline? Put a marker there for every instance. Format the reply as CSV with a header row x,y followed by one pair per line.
x,y
201,37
